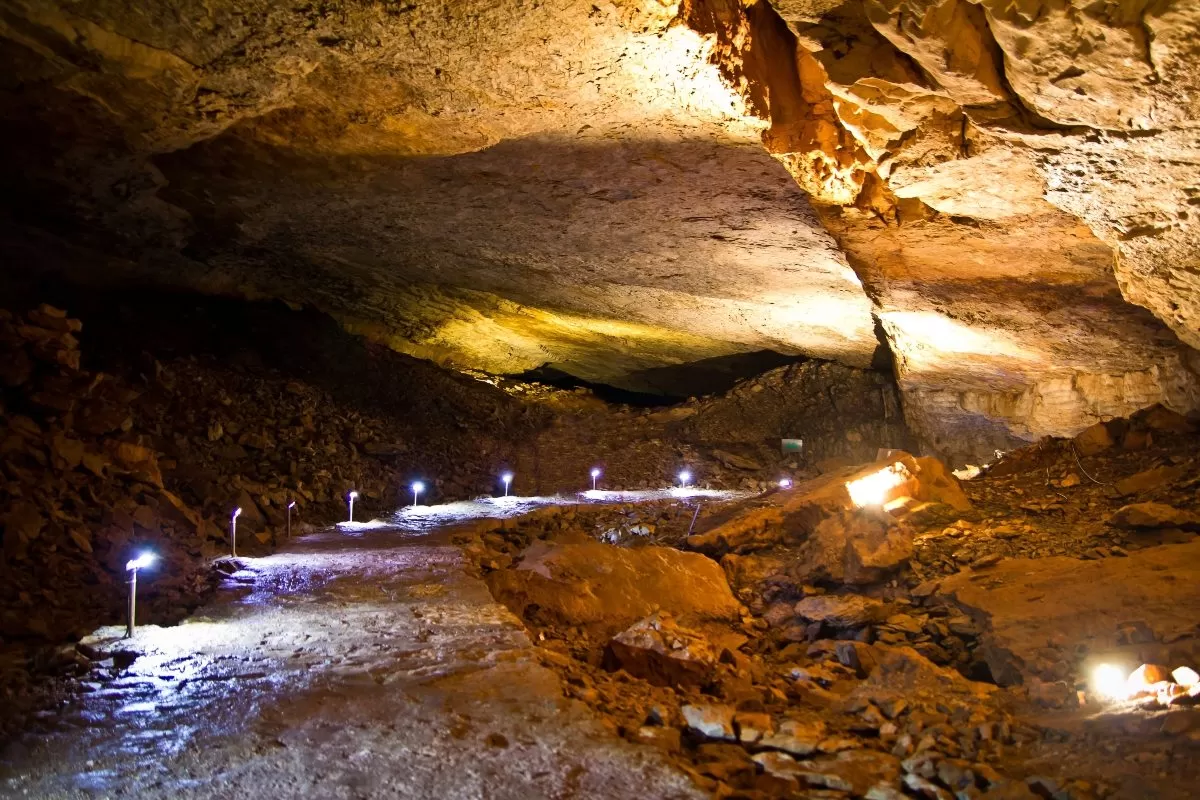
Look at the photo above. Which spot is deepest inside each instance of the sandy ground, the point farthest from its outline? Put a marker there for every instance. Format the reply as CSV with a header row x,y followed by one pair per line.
x,y
356,663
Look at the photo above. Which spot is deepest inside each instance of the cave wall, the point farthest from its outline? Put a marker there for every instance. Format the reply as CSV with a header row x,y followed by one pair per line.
x,y
1004,193
1013,184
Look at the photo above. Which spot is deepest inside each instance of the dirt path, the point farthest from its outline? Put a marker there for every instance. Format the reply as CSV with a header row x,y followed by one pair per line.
x,y
352,665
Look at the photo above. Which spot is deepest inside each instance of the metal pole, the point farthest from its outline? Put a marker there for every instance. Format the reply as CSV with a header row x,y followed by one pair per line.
x,y
694,516
132,626
289,523
233,537
352,509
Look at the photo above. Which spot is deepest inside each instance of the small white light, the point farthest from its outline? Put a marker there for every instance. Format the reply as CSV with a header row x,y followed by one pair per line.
x,y
507,477
418,487
684,477
785,483
596,473
237,512
143,560
292,504
1109,681
353,495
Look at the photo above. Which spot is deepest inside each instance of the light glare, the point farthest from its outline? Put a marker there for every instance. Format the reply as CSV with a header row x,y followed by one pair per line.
x,y
684,477
873,489
785,483
1109,681
418,487
143,560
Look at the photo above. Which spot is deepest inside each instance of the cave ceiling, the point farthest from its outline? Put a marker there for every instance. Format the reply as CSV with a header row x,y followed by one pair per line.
x,y
1002,194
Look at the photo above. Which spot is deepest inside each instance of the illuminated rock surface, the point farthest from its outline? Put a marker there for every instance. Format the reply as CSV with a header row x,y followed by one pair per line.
x,y
1009,191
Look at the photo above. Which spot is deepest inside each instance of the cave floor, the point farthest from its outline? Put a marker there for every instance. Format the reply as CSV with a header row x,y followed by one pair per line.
x,y
360,663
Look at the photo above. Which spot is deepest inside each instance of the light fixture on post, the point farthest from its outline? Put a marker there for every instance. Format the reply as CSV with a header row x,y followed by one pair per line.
x,y
350,499
417,488
237,512
132,567
291,505
785,483
595,475
684,478
507,478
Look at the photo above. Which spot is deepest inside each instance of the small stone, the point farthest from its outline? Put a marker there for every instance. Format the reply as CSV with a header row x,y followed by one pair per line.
x,y
710,721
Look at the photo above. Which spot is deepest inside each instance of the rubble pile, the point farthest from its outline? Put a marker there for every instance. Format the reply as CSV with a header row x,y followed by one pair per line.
x,y
83,489
866,657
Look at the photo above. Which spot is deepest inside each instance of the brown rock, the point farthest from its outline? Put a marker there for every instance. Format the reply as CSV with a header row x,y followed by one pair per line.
x,y
662,652
854,771
1153,515
610,588
1024,603
1093,439
936,484
1149,479
710,721
842,611
795,736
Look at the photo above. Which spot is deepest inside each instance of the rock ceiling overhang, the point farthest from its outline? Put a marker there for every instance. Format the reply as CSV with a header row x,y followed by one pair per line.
x,y
502,185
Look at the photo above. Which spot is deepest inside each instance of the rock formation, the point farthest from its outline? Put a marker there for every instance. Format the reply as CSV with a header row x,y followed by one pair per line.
x,y
1002,195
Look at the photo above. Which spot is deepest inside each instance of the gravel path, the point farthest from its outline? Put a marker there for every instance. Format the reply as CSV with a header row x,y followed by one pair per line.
x,y
355,664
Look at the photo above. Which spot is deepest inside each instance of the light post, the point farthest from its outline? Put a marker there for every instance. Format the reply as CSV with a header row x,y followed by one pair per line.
x,y
350,498
595,475
684,477
132,567
291,505
507,478
237,512
417,488
785,483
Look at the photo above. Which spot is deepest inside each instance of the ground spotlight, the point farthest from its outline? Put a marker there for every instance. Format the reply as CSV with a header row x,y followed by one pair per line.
x,y
132,567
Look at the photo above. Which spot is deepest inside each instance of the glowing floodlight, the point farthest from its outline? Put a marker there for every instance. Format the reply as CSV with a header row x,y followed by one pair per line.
x,y
350,499
1185,677
417,488
1109,681
142,561
507,478
595,475
684,478
237,512
785,483
872,490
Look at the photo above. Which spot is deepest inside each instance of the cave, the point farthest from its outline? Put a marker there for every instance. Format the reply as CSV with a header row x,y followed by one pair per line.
x,y
660,398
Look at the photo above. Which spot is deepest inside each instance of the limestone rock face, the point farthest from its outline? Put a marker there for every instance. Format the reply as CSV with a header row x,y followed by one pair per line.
x,y
1006,193
1008,180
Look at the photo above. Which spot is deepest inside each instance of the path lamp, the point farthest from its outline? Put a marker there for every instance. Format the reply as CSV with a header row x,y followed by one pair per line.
x,y
785,483
595,475
291,505
237,512
417,488
684,478
350,499
132,567
507,478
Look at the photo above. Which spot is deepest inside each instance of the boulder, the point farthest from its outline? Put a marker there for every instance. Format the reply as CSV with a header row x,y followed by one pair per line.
x,y
1093,439
1154,515
1020,604
1148,480
609,588
855,548
842,611
662,652
937,484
